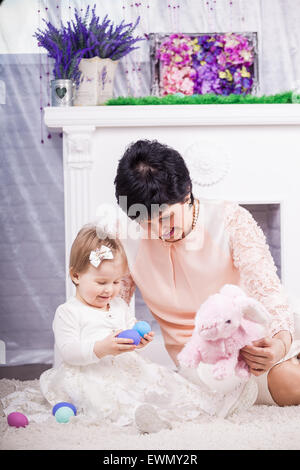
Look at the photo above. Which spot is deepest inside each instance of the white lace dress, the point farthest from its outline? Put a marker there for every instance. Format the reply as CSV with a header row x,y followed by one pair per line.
x,y
110,389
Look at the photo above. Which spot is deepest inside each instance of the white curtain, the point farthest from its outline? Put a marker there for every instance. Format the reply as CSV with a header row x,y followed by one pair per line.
x,y
275,21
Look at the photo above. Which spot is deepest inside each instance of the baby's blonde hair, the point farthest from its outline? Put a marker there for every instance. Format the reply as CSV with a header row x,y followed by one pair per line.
x,y
87,240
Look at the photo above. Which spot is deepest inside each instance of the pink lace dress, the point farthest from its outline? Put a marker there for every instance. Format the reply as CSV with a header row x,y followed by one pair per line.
x,y
226,246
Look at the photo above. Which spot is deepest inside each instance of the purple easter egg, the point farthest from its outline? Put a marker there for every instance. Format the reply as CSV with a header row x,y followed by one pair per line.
x,y
18,420
131,334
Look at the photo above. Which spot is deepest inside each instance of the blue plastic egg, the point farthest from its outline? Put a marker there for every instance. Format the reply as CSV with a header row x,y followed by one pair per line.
x,y
132,334
142,327
63,414
63,403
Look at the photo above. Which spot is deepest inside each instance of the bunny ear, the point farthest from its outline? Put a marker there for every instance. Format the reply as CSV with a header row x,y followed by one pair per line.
x,y
253,310
231,290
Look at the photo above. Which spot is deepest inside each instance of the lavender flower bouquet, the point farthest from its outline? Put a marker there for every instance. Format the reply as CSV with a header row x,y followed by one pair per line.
x,y
102,39
84,38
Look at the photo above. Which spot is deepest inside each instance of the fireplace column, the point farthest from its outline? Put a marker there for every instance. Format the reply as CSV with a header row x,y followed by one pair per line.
x,y
77,163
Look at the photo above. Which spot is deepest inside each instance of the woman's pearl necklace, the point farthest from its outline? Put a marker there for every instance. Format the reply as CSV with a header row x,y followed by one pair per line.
x,y
195,213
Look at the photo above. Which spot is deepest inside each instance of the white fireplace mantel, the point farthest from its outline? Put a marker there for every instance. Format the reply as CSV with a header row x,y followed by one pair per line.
x,y
257,145
175,115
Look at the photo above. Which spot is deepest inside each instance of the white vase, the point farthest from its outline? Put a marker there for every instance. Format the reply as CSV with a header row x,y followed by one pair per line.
x,y
97,81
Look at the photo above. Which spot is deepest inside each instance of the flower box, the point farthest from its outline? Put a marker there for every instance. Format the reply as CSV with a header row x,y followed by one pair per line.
x,y
200,63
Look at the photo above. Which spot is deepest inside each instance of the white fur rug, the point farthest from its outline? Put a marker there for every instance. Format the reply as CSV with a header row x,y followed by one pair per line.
x,y
261,427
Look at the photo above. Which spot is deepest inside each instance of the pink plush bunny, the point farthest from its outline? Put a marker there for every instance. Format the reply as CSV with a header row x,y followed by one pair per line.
x,y
225,323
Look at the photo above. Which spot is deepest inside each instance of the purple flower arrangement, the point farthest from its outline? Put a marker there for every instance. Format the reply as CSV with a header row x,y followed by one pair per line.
x,y
210,63
85,38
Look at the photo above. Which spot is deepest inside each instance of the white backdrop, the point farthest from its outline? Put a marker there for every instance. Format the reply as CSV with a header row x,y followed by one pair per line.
x,y
276,21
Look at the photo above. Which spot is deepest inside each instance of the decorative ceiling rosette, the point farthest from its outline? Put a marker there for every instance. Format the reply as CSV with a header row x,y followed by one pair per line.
x,y
207,162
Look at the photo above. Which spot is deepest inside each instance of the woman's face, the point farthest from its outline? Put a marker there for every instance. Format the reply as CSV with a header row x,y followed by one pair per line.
x,y
171,224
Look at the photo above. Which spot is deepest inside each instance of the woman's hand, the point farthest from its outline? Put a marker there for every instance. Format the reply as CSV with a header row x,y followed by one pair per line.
x,y
111,345
146,340
261,355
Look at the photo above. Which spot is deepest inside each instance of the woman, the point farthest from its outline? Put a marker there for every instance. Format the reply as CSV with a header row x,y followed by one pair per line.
x,y
190,249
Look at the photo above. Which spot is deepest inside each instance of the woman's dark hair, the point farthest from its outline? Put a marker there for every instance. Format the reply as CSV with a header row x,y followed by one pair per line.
x,y
151,173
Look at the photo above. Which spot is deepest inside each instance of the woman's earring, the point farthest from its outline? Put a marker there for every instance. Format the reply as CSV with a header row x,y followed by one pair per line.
x,y
189,201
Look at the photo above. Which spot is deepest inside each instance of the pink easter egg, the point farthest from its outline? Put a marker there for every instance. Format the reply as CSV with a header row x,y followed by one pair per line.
x,y
17,420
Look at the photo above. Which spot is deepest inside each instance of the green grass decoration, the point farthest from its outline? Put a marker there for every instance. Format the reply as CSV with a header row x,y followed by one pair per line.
x,y
210,98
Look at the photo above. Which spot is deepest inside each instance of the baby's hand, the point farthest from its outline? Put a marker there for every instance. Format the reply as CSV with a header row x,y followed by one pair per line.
x,y
146,340
111,345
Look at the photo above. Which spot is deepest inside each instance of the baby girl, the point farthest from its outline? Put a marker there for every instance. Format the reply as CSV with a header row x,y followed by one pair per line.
x,y
101,374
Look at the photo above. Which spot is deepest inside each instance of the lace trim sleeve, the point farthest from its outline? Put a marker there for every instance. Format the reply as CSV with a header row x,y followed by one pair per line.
x,y
128,288
258,274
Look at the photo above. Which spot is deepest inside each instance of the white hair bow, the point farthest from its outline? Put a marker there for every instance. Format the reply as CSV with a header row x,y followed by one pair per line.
x,y
99,254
